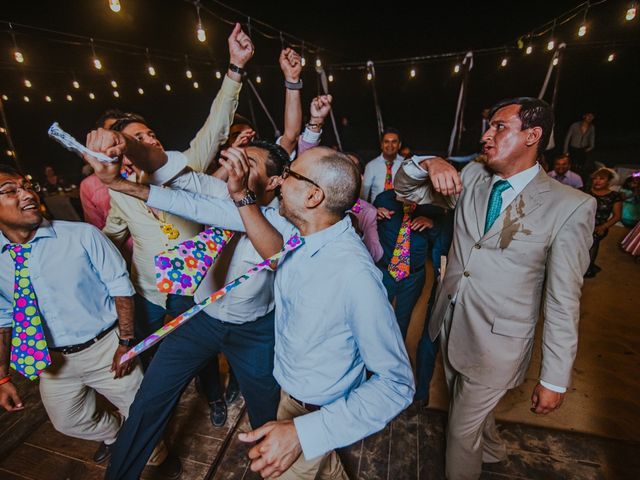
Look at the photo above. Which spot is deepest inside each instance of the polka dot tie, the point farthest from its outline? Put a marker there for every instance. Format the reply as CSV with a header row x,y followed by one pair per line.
x,y
29,352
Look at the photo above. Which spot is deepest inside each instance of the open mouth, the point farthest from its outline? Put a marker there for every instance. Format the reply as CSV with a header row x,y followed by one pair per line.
x,y
30,206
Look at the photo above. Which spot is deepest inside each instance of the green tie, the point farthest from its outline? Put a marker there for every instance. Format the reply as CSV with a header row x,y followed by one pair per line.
x,y
495,203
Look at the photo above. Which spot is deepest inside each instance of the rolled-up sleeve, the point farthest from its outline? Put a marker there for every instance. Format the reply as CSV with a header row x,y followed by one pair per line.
x,y
108,263
6,312
389,390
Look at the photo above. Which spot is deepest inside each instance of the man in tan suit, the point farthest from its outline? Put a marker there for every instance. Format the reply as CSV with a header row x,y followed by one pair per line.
x,y
520,241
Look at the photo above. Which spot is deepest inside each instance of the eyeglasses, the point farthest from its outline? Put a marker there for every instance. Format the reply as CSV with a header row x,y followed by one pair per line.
x,y
287,172
12,189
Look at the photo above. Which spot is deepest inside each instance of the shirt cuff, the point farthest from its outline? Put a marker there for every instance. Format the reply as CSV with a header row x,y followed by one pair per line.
x,y
120,287
176,163
309,428
553,388
159,198
413,168
311,137
230,86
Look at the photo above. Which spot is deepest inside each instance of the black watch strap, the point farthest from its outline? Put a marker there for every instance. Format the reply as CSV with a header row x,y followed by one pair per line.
x,y
127,342
237,69
293,85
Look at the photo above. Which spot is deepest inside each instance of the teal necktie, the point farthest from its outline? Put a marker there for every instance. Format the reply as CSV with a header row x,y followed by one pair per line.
x,y
495,203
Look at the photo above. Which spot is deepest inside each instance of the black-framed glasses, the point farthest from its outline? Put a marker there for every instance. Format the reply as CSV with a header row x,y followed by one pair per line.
x,y
12,189
287,172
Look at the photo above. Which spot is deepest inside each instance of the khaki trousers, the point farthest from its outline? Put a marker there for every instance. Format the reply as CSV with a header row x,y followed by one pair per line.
x,y
327,466
472,437
68,389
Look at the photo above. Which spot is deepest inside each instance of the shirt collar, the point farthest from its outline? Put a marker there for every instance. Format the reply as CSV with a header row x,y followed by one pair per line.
x,y
399,158
519,180
314,242
44,230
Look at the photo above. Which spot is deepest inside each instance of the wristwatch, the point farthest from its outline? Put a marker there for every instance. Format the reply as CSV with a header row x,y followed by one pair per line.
x,y
248,199
126,342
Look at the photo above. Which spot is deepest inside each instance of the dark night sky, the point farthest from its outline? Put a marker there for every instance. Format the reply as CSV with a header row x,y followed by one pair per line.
x,y
422,108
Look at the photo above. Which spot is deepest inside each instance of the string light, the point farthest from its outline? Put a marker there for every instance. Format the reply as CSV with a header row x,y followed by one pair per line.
x,y
140,91
330,77
551,44
529,49
369,76
116,93
504,62
167,87
26,99
92,96
114,84
3,130
5,98
188,74
412,73
10,153
555,61
151,70
69,98
303,61
196,85
611,57
97,63
631,12
218,74
318,62
27,83
115,6
75,84
18,56
258,79
200,33
582,30
48,99
456,68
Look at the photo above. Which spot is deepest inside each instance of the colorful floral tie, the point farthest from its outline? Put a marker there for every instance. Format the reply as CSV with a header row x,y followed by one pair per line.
x,y
399,266
29,352
357,207
495,203
388,178
181,269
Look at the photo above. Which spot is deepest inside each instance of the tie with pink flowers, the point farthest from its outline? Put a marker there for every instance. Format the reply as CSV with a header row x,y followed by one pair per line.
x,y
399,267
388,178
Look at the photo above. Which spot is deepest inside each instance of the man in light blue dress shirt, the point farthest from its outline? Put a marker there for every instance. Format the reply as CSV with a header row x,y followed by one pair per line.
x,y
333,321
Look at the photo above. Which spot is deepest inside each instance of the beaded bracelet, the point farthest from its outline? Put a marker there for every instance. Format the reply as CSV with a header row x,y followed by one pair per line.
x,y
5,379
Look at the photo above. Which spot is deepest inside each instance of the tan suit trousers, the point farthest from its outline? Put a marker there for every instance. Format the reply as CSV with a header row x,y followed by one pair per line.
x,y
327,466
68,390
472,437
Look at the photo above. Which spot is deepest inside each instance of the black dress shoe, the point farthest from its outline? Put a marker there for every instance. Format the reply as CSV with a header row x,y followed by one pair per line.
x,y
218,413
103,453
233,390
171,468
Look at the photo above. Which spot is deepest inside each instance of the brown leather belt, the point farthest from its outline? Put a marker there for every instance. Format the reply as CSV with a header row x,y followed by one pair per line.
x,y
83,346
307,406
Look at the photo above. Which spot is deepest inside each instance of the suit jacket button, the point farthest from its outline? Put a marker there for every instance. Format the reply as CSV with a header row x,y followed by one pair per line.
x,y
466,274
449,297
478,246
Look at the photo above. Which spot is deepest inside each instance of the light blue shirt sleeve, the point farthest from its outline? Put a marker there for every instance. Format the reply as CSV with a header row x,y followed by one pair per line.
x,y
6,311
371,405
108,263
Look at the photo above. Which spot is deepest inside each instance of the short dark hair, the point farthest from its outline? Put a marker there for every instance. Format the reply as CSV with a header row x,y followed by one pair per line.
x,y
115,113
533,113
127,119
277,158
10,170
392,130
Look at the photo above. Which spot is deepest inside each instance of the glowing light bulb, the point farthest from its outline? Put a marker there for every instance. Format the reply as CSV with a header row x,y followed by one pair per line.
x,y
218,74
331,77
114,84
611,57
582,30
18,56
555,61
97,63
151,70
92,96
196,85
369,76
3,130
412,73
318,63
303,61
115,6
27,83
76,84
504,62
167,87
69,98
10,153
258,79
140,91
116,93
48,99
5,98
189,74
201,34
456,69
529,50
551,45
631,13
26,99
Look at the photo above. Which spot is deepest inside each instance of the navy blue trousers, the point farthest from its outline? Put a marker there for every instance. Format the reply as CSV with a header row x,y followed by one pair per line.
x,y
249,350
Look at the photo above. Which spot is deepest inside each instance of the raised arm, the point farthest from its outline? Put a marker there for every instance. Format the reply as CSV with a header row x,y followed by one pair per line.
x,y
426,179
291,66
318,111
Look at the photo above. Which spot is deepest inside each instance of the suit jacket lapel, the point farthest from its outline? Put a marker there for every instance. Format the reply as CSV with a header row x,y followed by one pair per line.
x,y
480,199
525,202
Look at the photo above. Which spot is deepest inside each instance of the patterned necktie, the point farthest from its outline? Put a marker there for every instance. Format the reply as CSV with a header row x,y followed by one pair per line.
x,y
29,352
399,266
388,178
495,203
